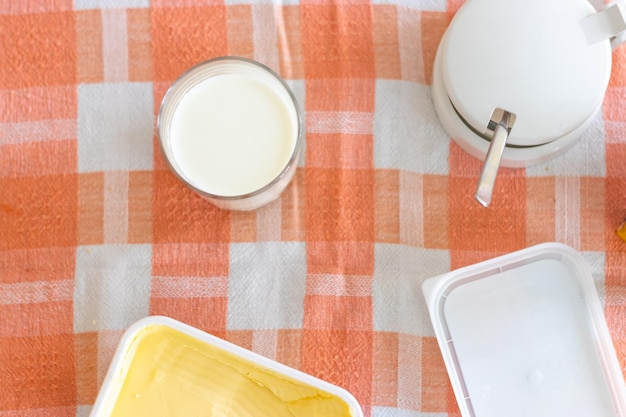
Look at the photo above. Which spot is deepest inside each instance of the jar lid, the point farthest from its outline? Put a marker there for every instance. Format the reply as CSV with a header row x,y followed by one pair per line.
x,y
529,57
525,335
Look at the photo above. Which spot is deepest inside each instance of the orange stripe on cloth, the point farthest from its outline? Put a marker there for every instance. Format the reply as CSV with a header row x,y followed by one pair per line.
x,y
180,38
475,232
339,205
38,318
386,41
411,372
39,158
190,260
140,207
34,6
340,95
180,215
436,389
35,265
592,208
387,206
342,357
139,41
45,362
433,25
86,360
38,212
333,43
205,313
385,369
89,60
90,215
337,340
39,49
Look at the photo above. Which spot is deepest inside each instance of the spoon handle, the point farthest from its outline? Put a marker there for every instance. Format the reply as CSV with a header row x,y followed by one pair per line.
x,y
487,179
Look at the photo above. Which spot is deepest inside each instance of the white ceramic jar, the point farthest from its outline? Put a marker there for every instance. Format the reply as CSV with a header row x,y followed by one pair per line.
x,y
545,62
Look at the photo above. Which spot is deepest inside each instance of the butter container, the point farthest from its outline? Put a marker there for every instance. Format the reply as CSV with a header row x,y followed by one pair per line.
x,y
163,367
524,335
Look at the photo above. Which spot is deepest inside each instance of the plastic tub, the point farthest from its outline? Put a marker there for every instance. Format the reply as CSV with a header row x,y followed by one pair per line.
x,y
165,368
525,335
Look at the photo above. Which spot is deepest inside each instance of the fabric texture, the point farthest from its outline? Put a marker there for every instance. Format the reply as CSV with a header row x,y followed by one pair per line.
x,y
96,232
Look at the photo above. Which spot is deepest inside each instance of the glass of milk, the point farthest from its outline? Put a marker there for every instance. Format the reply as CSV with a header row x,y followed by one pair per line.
x,y
231,130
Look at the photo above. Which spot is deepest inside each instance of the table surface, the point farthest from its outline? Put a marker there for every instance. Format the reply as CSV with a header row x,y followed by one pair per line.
x,y
96,232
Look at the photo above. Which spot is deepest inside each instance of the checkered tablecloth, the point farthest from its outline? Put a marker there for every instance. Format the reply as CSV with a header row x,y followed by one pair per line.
x,y
96,232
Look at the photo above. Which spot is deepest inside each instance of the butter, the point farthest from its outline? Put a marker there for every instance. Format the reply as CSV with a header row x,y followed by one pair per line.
x,y
171,373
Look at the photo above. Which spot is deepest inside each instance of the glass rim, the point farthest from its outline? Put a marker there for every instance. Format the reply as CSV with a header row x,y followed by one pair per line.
x,y
295,153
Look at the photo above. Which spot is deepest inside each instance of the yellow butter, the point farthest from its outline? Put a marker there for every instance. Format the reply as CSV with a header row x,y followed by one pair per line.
x,y
173,374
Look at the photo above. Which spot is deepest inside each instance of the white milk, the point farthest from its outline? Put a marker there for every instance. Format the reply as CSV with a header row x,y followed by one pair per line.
x,y
233,134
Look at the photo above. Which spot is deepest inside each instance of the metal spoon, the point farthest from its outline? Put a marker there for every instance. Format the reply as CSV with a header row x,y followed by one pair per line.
x,y
500,126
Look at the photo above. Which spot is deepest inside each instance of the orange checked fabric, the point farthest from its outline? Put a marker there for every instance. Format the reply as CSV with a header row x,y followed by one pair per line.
x,y
96,232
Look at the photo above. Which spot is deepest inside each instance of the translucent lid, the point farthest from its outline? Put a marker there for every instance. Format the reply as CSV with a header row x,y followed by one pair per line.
x,y
524,335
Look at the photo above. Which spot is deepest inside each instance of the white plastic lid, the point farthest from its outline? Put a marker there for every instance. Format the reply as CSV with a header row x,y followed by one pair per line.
x,y
524,335
528,57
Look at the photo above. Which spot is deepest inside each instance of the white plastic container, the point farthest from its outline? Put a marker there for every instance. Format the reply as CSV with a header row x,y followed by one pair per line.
x,y
546,64
189,373
524,335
